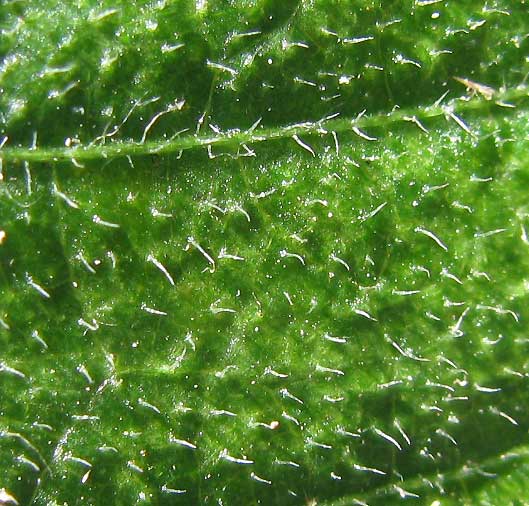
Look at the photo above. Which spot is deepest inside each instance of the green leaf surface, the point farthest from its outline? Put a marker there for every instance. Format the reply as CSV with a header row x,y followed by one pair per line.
x,y
264,252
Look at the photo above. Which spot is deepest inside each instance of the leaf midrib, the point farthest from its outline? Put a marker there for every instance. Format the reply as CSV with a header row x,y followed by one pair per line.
x,y
240,138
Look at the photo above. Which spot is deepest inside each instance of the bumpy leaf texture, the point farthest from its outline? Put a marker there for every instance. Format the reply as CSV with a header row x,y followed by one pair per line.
x,y
264,252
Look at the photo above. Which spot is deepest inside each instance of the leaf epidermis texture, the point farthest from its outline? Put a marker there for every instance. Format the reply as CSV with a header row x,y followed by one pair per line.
x,y
319,308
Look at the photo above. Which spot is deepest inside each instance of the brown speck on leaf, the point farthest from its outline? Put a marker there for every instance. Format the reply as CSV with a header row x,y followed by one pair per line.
x,y
485,91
